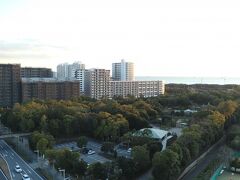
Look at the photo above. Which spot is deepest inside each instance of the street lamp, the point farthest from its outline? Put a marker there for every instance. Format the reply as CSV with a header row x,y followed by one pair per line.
x,y
63,171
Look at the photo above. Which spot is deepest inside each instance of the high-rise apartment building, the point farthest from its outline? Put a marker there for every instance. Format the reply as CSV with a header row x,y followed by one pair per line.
x,y
123,71
97,83
10,84
49,88
73,67
136,88
30,72
62,71
80,76
68,70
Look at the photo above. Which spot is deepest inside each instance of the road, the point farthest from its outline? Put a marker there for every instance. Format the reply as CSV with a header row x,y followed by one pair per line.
x,y
203,163
2,176
14,159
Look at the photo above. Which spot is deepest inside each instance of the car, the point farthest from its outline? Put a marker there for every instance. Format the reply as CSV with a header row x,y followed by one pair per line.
x,y
25,177
90,152
85,150
129,150
18,169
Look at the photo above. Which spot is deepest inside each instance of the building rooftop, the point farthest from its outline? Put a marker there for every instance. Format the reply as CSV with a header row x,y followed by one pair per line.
x,y
31,80
151,133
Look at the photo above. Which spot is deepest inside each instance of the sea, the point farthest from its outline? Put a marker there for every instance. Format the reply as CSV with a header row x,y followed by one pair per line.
x,y
192,80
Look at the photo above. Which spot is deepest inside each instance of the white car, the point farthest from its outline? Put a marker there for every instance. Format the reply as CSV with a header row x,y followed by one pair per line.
x,y
90,152
25,177
129,150
18,169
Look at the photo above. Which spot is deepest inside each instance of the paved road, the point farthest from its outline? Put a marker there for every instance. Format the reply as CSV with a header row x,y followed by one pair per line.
x,y
2,176
14,159
203,163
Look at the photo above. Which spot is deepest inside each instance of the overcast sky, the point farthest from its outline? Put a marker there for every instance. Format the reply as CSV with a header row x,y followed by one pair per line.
x,y
162,37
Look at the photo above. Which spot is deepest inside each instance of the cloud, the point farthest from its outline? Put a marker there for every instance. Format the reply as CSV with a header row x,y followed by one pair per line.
x,y
28,48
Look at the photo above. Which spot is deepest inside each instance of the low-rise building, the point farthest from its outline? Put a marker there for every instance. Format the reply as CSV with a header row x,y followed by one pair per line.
x,y
136,88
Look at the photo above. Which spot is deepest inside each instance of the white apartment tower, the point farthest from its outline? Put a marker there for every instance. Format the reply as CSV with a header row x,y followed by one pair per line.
x,y
80,76
66,70
123,71
97,83
62,71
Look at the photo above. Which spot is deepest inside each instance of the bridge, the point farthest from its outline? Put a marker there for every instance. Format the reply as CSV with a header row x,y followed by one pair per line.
x,y
14,135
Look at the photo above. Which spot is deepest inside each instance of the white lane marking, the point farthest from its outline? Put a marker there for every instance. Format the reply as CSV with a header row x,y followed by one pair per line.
x,y
29,172
12,154
11,157
22,160
13,174
6,151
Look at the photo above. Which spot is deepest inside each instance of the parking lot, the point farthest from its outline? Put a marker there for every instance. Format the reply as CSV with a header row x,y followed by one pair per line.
x,y
90,159
72,146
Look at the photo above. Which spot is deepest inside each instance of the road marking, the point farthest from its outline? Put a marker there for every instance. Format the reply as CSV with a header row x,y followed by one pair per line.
x,y
29,172
22,160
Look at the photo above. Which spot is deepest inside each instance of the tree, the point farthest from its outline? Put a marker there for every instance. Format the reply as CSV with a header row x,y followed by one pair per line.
x,y
128,167
82,141
166,165
65,159
227,108
51,155
42,145
154,147
79,168
107,147
141,158
217,118
98,171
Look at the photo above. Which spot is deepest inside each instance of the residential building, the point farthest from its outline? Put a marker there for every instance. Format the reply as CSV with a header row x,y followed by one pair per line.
x,y
80,76
73,67
30,72
49,88
97,83
62,71
136,88
68,70
10,84
123,71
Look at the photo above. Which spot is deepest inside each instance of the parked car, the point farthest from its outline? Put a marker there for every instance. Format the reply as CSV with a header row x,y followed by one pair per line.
x,y
90,152
25,177
18,169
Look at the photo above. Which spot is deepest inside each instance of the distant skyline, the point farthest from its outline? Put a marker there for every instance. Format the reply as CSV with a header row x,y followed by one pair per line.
x,y
162,38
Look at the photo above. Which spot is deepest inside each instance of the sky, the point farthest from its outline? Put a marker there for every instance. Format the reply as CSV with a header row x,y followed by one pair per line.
x,y
162,38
